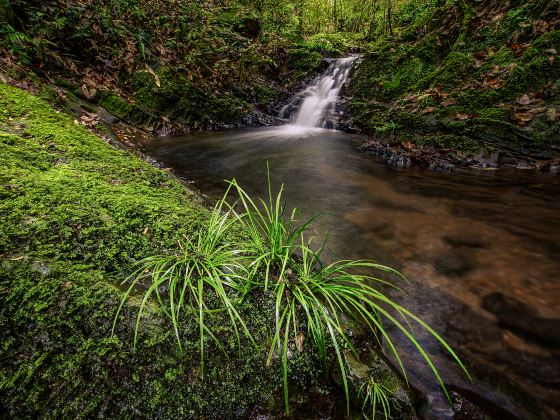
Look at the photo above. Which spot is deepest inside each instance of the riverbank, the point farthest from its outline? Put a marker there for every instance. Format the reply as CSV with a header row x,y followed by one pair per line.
x,y
76,215
463,84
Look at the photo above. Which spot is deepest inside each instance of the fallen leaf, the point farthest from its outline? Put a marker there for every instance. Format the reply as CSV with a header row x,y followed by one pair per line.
x,y
153,73
89,119
538,110
524,100
522,118
498,17
299,342
552,114
429,110
448,102
407,145
495,83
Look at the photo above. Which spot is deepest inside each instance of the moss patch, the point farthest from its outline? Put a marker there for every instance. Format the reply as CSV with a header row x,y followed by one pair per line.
x,y
76,215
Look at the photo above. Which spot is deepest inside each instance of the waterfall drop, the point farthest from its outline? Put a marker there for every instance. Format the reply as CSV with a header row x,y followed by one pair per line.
x,y
316,105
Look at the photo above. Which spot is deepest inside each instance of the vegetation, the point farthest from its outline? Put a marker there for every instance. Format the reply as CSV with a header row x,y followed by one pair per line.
x,y
77,215
122,293
464,77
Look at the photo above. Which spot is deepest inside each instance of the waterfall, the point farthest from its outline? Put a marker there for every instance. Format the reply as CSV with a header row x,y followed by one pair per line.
x,y
316,105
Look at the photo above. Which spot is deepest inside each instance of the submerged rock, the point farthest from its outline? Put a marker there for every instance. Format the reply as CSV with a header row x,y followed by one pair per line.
x,y
519,316
401,398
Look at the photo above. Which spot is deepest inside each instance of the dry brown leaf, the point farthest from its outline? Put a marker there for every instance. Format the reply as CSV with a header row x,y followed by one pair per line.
x,y
153,73
552,114
407,145
537,110
448,103
89,119
86,92
522,118
299,342
498,17
495,83
524,100
428,110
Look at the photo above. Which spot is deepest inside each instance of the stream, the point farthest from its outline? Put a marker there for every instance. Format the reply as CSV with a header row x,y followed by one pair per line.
x,y
481,249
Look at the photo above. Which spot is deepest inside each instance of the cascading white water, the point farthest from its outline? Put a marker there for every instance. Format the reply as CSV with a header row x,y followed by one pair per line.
x,y
318,100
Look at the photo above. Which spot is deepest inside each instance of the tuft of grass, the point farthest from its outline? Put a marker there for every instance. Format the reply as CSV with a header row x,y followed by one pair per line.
x,y
375,393
313,300
207,269
273,231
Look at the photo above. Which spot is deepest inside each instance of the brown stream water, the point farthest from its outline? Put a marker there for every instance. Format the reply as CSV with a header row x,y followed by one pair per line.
x,y
481,249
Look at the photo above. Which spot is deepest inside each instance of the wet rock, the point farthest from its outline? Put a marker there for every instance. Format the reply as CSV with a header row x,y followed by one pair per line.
x,y
402,399
508,161
464,409
465,240
457,262
257,118
524,165
522,318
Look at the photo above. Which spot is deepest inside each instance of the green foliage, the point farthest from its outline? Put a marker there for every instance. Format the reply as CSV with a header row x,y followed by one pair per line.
x,y
452,75
373,394
206,264
331,43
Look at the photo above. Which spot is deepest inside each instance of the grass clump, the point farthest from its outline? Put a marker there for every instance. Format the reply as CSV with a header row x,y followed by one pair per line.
x,y
313,300
375,393
207,264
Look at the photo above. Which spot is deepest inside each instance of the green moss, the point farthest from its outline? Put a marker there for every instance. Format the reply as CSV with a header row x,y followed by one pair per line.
x,y
264,95
115,105
451,142
456,68
495,114
333,44
76,215
305,60
183,100
407,76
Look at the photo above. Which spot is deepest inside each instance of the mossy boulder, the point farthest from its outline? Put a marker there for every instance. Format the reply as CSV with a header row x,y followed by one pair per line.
x,y
76,217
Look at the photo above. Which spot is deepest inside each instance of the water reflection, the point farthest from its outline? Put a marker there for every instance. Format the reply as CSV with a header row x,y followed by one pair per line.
x,y
482,250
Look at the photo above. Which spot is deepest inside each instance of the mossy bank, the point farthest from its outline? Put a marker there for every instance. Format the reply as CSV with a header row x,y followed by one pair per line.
x,y
466,80
76,215
166,67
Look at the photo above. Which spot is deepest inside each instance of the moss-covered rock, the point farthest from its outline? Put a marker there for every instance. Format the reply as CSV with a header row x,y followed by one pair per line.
x,y
76,215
